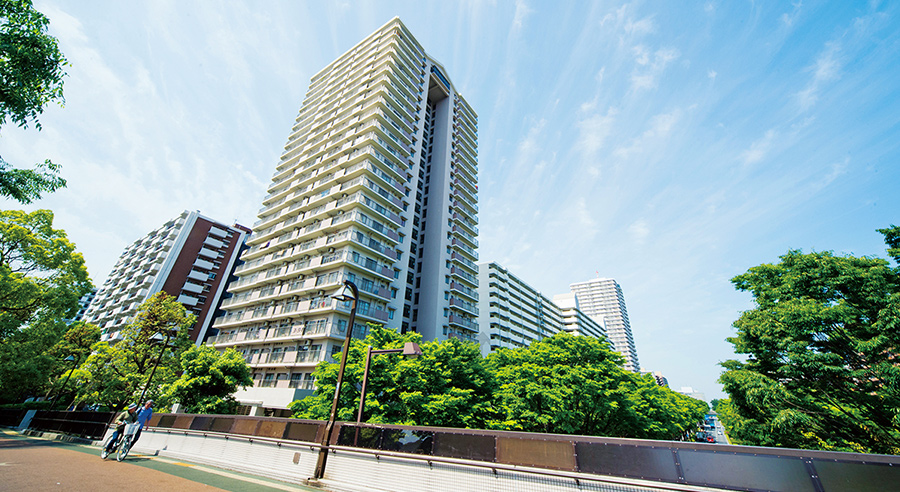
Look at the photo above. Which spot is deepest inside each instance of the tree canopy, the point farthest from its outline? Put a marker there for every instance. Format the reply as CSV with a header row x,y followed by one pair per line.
x,y
31,76
209,379
447,386
41,279
563,384
118,371
41,275
822,345
569,384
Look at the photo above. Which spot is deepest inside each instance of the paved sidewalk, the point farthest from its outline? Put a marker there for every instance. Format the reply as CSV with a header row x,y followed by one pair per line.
x,y
28,463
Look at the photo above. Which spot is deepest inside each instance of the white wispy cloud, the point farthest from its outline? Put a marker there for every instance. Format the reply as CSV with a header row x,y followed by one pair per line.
x,y
826,68
759,149
650,66
658,130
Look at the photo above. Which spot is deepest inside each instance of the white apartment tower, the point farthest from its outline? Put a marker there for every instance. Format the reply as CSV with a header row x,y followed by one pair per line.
x,y
377,185
602,300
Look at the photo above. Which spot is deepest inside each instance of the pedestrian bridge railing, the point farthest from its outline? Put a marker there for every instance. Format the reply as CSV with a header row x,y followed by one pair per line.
x,y
566,459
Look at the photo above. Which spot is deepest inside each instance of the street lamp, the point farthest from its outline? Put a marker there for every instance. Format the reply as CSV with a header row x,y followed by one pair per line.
x,y
67,359
410,350
348,292
156,338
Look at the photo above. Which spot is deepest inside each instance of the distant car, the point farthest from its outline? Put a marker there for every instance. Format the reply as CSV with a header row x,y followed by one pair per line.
x,y
710,439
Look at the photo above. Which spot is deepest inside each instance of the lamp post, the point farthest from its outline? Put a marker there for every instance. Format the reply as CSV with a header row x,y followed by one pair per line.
x,y
157,337
410,350
67,359
347,293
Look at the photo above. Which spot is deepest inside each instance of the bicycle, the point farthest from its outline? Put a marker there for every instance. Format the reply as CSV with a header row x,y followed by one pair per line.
x,y
123,444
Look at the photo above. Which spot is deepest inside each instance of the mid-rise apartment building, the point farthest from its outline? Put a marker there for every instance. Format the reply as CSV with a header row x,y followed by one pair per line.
x,y
513,314
575,321
189,257
602,300
377,185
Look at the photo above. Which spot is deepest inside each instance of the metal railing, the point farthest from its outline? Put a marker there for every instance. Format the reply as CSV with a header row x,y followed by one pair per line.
x,y
676,465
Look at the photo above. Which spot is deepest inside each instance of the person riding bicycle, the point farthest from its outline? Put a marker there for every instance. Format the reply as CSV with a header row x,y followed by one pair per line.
x,y
143,418
128,416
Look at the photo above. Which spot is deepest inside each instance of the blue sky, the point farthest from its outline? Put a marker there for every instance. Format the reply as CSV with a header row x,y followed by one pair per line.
x,y
669,145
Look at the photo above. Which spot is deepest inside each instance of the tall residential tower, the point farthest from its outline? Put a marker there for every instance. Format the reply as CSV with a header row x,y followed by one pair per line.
x,y
377,185
602,300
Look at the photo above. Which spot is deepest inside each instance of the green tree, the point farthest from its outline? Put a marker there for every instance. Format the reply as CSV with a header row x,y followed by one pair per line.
x,y
41,279
76,342
822,345
447,386
31,76
209,380
569,384
41,275
120,370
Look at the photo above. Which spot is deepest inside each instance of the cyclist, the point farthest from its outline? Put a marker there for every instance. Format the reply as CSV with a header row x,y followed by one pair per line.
x,y
128,416
143,418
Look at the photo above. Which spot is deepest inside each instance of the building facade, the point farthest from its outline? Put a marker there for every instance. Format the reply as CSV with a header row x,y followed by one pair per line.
x,y
377,185
602,300
575,321
189,257
511,313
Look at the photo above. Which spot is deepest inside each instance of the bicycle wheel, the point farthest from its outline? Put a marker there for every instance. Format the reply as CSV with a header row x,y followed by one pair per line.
x,y
124,448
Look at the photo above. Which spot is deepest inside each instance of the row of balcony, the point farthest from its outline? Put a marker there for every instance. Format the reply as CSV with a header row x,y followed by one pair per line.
x,y
464,305
465,290
299,286
296,308
309,265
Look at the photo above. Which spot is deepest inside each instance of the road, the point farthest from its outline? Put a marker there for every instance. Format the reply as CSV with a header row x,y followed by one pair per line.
x,y
28,463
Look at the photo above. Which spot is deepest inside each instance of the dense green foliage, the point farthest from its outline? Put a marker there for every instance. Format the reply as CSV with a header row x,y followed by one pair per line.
x,y
116,373
209,379
563,384
822,345
41,279
568,384
31,75
447,386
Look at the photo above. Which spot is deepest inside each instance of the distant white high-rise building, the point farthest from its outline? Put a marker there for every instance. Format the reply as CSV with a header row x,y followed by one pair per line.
x,y
602,300
377,185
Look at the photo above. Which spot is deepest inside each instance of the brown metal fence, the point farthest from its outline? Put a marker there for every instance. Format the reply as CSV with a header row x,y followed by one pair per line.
x,y
713,465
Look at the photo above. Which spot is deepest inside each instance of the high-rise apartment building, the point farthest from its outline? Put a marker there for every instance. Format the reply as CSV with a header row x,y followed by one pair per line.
x,y
188,257
377,185
602,300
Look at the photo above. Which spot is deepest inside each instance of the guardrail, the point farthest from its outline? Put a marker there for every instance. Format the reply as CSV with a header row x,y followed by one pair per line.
x,y
90,425
693,464
10,417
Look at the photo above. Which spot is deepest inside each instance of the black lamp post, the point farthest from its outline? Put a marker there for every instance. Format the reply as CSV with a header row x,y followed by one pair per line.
x,y
347,293
410,350
157,337
67,359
